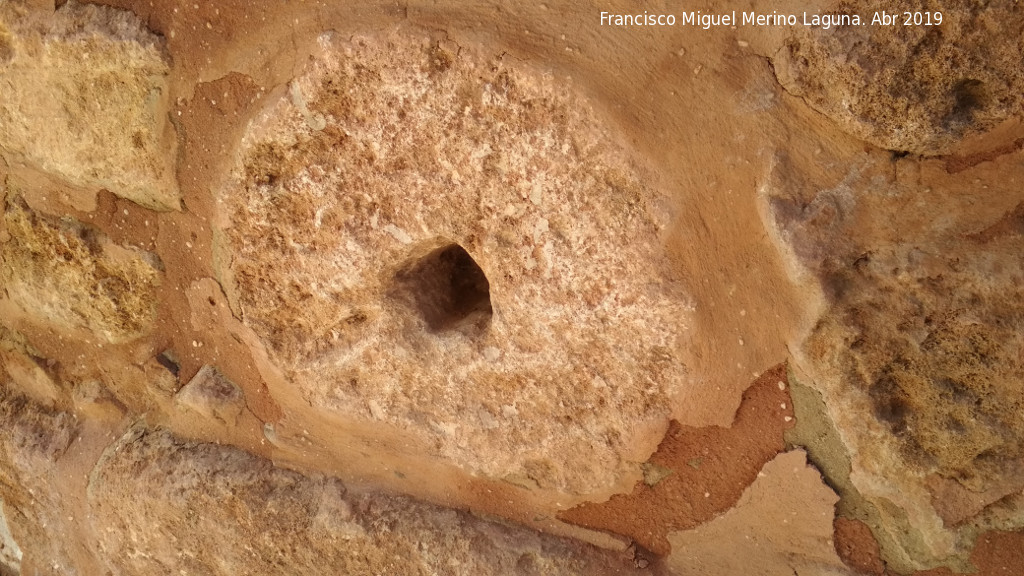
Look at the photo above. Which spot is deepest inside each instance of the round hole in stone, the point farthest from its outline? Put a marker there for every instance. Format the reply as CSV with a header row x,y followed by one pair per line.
x,y
447,288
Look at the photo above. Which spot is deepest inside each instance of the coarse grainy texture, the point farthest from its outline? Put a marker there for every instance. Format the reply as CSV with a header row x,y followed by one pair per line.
x,y
26,368
995,554
935,342
932,349
98,126
453,288
209,509
33,439
212,395
74,278
10,552
444,242
917,354
912,88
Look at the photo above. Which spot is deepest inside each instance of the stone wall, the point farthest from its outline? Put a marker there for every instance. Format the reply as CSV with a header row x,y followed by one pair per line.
x,y
440,288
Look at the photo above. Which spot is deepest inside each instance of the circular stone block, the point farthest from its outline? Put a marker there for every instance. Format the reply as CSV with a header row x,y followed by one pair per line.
x,y
459,246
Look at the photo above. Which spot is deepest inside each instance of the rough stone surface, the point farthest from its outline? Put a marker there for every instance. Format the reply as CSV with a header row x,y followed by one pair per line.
x,y
212,395
491,281
947,378
860,523
93,126
208,509
73,277
923,333
26,368
10,552
995,554
916,88
34,439
428,237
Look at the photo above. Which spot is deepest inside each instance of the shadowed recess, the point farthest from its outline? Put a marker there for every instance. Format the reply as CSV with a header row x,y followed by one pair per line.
x,y
447,288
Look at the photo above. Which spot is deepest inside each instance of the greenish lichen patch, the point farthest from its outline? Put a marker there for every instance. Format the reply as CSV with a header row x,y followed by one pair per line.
x,y
654,473
816,433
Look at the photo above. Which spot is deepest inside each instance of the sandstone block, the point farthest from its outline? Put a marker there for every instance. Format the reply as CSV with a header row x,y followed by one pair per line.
x,y
211,509
10,552
425,236
212,395
916,88
72,277
25,368
84,97
917,353
33,439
